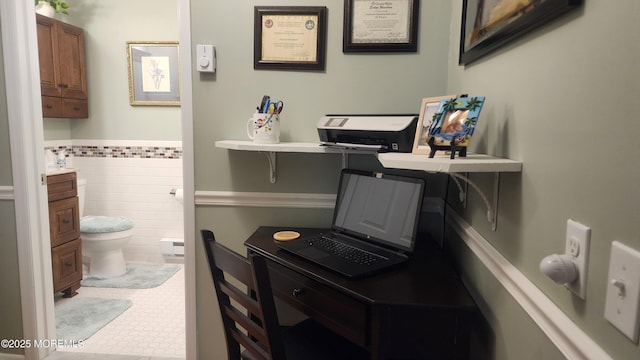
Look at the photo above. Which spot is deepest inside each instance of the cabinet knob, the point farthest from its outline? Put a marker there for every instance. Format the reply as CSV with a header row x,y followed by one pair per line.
x,y
68,264
65,221
47,106
297,292
64,86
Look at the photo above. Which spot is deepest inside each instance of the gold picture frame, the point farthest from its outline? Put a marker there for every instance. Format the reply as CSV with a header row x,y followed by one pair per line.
x,y
154,73
428,109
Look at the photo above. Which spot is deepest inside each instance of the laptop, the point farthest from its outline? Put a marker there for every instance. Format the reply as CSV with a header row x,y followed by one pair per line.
x,y
375,222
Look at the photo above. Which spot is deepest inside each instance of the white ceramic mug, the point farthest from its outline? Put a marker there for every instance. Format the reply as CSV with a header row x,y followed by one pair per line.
x,y
264,128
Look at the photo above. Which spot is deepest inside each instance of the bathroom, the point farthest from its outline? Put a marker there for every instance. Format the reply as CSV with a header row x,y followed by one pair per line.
x,y
130,156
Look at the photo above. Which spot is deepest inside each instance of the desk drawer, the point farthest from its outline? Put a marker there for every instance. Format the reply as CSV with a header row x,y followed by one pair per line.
x,y
333,309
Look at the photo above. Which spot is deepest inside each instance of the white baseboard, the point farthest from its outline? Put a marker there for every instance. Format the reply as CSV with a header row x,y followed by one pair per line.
x,y
570,340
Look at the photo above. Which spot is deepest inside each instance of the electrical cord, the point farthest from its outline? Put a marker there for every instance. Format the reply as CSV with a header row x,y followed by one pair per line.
x,y
473,185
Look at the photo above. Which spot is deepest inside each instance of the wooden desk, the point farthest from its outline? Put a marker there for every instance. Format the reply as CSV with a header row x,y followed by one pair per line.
x,y
418,311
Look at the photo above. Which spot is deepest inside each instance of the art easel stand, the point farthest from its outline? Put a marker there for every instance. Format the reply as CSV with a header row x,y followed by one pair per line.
x,y
462,150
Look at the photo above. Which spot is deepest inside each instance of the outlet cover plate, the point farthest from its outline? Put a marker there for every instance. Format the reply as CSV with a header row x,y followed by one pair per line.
x,y
577,247
623,303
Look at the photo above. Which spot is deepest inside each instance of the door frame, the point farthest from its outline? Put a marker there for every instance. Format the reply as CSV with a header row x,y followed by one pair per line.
x,y
22,83
24,110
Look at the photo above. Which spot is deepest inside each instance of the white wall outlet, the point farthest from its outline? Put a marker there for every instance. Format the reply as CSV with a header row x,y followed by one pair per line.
x,y
623,290
577,247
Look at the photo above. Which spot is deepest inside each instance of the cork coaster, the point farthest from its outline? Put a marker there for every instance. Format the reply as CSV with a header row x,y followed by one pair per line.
x,y
286,235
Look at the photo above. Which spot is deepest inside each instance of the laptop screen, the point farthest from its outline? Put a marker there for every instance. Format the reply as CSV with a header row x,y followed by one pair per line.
x,y
379,207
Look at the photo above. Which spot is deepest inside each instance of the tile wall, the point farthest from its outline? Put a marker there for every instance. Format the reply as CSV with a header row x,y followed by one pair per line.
x,y
132,179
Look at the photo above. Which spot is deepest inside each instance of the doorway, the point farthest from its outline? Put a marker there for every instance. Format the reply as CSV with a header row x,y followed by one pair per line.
x,y
19,41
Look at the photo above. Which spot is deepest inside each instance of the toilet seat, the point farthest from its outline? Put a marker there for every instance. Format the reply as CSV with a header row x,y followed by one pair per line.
x,y
98,224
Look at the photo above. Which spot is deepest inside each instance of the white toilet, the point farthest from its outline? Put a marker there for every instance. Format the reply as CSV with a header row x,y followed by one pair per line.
x,y
103,238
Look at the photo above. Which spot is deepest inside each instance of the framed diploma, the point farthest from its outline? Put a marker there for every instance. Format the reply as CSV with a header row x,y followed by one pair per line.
x,y
289,37
380,25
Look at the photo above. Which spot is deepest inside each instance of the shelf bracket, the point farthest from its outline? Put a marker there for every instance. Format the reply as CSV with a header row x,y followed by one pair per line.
x,y
492,207
271,157
493,216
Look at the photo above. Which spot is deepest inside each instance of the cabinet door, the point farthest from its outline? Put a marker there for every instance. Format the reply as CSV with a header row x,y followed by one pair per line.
x,y
75,109
64,221
48,56
71,64
51,106
66,261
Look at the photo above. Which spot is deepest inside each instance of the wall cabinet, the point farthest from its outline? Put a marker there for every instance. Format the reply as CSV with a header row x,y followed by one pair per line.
x,y
63,80
64,229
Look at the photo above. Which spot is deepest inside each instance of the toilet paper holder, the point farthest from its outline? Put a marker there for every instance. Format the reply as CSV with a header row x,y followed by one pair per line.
x,y
177,193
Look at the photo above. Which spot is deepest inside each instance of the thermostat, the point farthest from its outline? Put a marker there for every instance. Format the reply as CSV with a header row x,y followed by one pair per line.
x,y
206,58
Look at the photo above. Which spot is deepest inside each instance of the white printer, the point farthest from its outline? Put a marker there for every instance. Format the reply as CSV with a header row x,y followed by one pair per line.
x,y
382,133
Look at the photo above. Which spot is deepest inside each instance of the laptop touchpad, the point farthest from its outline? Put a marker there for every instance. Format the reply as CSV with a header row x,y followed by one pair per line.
x,y
313,253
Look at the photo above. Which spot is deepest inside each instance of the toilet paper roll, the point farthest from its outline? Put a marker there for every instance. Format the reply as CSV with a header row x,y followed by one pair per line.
x,y
179,194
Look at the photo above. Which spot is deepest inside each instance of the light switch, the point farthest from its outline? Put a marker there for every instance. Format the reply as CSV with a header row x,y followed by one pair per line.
x,y
206,58
623,290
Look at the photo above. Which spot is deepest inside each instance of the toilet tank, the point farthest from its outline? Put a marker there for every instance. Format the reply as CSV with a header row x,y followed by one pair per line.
x,y
82,187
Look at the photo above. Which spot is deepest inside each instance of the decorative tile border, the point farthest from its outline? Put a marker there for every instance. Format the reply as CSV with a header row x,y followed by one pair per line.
x,y
103,151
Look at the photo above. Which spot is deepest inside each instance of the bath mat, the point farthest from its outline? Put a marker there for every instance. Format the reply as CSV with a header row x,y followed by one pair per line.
x,y
138,276
79,318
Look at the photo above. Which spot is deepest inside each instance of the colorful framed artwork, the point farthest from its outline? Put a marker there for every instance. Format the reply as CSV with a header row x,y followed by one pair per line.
x,y
289,37
429,109
454,124
154,73
488,25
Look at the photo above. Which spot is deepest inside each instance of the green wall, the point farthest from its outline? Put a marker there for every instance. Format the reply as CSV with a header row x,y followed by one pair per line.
x,y
108,25
355,83
10,308
563,101
549,95
549,98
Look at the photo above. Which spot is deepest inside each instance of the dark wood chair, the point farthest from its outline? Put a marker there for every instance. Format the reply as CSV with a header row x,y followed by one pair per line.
x,y
252,322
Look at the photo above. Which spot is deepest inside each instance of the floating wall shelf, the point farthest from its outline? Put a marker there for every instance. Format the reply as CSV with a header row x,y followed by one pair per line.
x,y
472,163
469,164
443,164
270,151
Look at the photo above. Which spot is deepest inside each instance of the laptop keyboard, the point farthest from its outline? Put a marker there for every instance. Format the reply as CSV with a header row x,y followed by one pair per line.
x,y
345,251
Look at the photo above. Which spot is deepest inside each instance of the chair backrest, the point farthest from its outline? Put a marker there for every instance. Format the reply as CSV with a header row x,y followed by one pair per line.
x,y
250,320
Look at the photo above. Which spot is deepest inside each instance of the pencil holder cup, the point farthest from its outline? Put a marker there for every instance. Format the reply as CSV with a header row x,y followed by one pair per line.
x,y
264,128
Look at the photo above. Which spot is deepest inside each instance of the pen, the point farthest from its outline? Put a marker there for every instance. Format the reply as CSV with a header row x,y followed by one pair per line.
x,y
263,103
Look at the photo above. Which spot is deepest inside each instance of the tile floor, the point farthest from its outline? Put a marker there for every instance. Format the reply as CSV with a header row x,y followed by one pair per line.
x,y
83,356
152,327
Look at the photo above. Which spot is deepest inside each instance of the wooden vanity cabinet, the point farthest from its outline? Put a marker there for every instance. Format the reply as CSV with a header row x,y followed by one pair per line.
x,y
63,81
64,229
